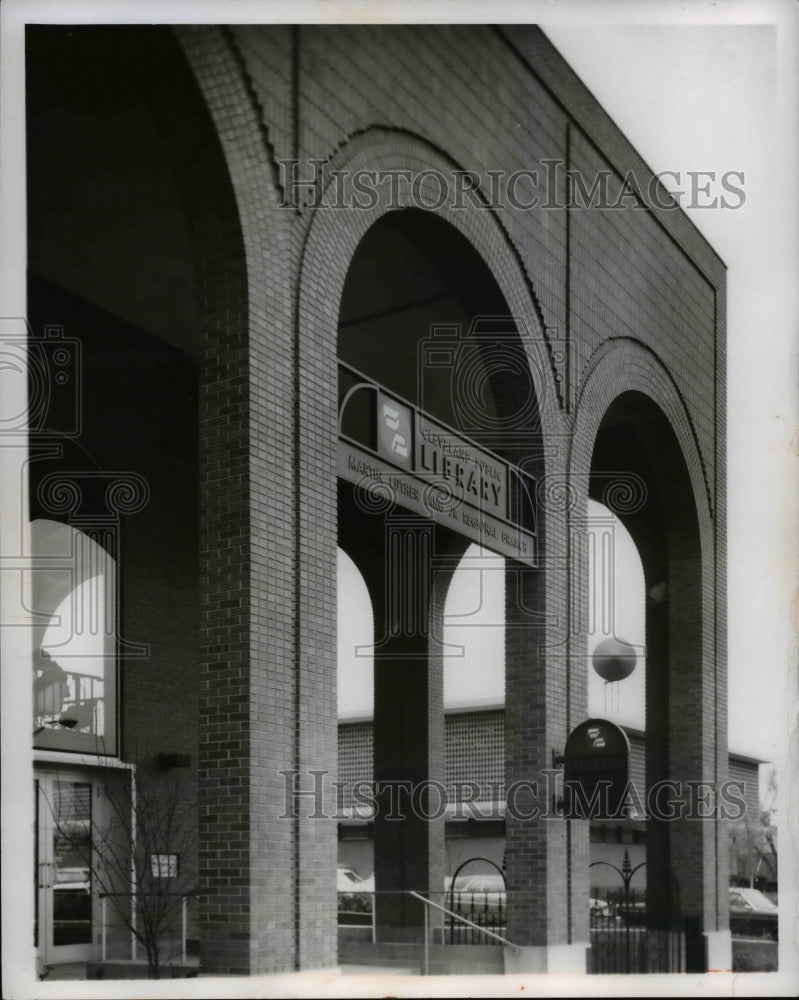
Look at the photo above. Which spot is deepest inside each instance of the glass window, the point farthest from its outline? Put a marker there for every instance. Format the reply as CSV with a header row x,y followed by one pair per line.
x,y
73,590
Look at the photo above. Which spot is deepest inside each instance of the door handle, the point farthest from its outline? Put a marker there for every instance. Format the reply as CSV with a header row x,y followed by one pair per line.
x,y
46,876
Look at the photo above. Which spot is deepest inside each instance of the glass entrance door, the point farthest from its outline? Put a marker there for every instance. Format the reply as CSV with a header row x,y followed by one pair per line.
x,y
66,806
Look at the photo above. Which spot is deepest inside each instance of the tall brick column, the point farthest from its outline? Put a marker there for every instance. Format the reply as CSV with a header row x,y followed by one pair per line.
x,y
267,544
697,750
408,732
526,748
546,856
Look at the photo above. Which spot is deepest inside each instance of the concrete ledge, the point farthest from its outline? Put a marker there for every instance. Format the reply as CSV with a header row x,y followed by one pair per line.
x,y
568,959
466,960
560,958
450,959
525,959
718,951
384,954
137,970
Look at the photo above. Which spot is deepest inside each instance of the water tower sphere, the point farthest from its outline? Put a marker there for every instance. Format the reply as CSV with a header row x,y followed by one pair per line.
x,y
614,660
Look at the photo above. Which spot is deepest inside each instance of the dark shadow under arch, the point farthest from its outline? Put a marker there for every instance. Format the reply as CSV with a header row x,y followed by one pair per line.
x,y
422,314
636,442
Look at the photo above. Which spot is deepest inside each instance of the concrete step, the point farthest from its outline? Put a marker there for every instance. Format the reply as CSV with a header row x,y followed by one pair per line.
x,y
453,959
379,970
138,970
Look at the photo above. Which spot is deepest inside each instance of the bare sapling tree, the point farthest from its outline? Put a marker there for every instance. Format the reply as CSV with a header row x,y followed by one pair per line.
x,y
753,839
139,846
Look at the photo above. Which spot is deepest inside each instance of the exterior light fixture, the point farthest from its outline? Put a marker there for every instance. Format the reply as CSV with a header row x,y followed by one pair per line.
x,y
614,660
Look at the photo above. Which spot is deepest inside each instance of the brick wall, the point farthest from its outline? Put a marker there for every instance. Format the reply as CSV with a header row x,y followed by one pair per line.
x,y
444,96
475,752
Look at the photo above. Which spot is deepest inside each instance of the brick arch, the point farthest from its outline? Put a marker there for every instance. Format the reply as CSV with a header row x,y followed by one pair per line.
x,y
330,244
631,418
334,234
538,690
625,364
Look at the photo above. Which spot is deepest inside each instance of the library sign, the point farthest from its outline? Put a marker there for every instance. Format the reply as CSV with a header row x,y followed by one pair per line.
x,y
404,456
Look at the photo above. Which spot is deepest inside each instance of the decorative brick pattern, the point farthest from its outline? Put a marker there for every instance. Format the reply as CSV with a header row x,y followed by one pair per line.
x,y
476,747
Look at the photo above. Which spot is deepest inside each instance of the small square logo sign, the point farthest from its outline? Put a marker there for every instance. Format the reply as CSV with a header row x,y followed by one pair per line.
x,y
394,435
163,865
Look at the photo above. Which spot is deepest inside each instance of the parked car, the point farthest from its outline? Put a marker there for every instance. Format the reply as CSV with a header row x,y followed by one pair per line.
x,y
598,907
476,894
355,894
72,880
752,914
348,880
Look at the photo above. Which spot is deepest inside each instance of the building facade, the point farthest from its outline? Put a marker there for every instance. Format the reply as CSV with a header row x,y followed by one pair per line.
x,y
393,289
475,828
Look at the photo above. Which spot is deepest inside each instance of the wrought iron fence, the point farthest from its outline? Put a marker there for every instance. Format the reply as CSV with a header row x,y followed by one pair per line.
x,y
633,930
486,909
621,942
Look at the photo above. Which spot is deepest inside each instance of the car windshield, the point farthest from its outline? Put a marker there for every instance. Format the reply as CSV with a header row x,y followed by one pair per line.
x,y
490,883
478,883
751,899
72,875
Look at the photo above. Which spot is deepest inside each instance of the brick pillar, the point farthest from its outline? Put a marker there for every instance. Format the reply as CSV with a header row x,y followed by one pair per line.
x,y
267,549
698,760
248,649
531,840
686,732
546,857
408,731
662,901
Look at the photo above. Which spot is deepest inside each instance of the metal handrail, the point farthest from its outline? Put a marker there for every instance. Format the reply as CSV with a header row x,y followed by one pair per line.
x,y
457,916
